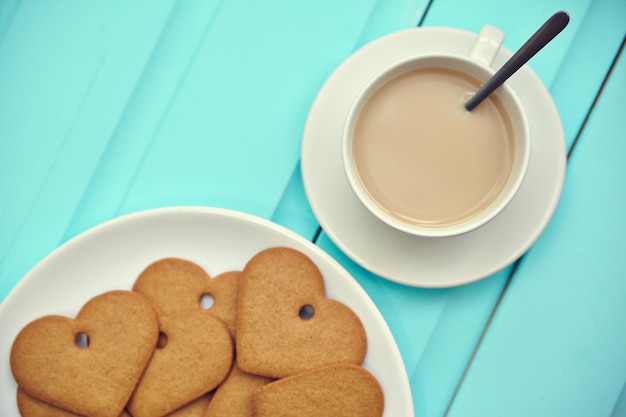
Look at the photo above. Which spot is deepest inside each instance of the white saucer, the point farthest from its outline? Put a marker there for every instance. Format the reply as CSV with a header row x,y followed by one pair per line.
x,y
408,259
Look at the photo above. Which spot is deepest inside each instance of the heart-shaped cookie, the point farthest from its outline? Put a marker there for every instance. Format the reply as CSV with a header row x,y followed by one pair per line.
x,y
98,378
333,391
233,398
174,284
196,408
32,407
285,324
194,357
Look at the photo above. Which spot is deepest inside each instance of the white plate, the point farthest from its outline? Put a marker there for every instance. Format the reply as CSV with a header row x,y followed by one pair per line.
x,y
111,256
404,258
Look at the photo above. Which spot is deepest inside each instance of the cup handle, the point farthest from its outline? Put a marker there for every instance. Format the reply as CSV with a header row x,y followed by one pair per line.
x,y
487,45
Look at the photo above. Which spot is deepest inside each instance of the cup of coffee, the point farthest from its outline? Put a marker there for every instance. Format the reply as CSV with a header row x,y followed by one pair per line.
x,y
418,160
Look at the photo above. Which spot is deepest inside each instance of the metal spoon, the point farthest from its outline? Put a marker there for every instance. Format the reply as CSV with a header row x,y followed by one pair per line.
x,y
553,26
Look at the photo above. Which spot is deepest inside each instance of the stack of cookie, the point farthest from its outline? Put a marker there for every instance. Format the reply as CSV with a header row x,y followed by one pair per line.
x,y
264,341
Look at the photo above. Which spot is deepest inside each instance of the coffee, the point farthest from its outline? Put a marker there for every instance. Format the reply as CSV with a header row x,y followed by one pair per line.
x,y
422,157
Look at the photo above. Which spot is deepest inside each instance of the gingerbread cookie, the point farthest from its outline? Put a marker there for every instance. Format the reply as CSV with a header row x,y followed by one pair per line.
x,y
97,378
334,391
195,408
174,284
285,324
32,407
234,397
194,356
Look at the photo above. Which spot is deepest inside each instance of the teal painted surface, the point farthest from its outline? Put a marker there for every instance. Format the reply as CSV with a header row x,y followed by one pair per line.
x,y
557,345
57,82
584,67
293,211
620,405
7,10
149,103
67,71
235,122
109,107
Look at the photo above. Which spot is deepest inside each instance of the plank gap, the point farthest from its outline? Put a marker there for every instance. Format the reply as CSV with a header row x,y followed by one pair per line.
x,y
421,22
318,232
482,334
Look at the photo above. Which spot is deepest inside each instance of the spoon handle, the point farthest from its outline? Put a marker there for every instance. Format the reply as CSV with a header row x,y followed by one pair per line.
x,y
552,27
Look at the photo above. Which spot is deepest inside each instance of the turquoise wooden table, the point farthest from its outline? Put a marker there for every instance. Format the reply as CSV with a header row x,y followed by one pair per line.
x,y
111,107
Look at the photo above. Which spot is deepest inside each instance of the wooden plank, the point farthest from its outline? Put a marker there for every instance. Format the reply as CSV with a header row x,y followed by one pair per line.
x,y
68,70
293,209
557,345
150,101
583,69
620,406
231,138
164,106
7,11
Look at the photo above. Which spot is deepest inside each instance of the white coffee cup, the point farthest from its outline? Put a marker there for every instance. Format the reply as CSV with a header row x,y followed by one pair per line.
x,y
370,185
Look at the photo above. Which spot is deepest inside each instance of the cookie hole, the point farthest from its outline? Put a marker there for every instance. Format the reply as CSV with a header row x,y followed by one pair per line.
x,y
206,301
162,342
82,340
306,312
